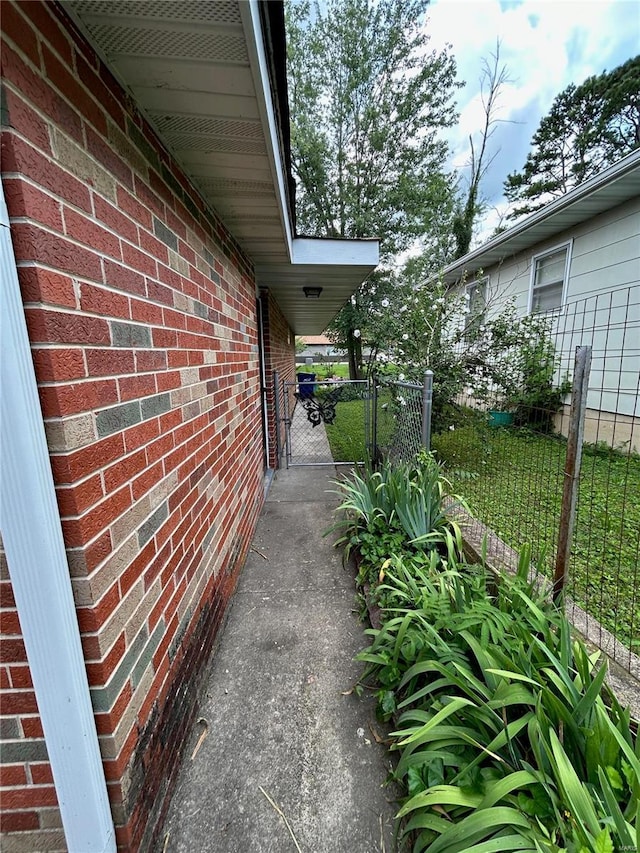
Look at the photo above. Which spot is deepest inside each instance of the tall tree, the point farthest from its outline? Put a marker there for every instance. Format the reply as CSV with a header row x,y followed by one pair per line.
x,y
587,128
368,100
493,77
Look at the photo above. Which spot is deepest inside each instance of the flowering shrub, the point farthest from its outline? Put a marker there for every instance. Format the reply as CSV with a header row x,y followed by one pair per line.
x,y
495,358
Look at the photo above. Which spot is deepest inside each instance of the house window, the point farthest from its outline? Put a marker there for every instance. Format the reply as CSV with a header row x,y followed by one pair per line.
x,y
549,276
477,304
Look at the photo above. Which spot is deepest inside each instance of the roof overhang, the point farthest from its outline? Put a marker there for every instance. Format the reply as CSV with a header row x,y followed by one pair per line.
x,y
210,77
611,187
337,266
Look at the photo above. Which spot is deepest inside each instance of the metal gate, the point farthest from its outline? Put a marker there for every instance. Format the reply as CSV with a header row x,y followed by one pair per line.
x,y
344,422
327,422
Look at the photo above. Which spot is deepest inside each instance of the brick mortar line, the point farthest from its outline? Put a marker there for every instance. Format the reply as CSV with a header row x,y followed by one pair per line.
x,y
79,312
96,634
104,468
92,218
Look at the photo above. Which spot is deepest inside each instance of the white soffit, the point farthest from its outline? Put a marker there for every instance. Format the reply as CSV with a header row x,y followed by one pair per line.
x,y
198,69
337,266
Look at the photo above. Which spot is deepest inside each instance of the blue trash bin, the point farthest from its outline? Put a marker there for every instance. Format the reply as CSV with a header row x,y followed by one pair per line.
x,y
306,385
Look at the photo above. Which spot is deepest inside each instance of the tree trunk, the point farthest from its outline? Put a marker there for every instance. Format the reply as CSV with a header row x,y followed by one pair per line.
x,y
354,350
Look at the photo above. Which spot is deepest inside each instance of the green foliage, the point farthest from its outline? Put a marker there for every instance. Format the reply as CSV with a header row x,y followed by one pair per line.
x,y
463,451
330,370
368,102
520,367
396,509
493,77
534,396
519,493
508,737
587,128
498,358
346,435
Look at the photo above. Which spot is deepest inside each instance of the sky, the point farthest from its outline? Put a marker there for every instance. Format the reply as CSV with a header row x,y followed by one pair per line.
x,y
545,44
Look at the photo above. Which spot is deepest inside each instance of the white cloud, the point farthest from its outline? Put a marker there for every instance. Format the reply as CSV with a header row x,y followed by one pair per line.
x,y
546,44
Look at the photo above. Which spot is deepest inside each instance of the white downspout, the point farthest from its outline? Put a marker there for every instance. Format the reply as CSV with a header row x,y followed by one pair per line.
x,y
32,537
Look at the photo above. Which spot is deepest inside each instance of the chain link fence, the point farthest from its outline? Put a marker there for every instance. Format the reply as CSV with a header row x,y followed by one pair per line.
x,y
401,418
513,470
327,422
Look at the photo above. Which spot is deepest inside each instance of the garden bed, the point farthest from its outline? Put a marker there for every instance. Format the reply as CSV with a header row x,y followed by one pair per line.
x,y
513,479
507,735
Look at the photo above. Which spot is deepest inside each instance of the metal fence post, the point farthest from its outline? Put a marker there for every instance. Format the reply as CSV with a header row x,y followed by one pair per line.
x,y
427,405
373,449
572,468
276,414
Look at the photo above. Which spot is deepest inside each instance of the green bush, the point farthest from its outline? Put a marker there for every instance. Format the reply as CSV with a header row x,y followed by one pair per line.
x,y
397,509
508,737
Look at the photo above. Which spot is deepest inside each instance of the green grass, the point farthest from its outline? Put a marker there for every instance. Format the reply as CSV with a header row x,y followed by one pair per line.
x,y
325,371
513,482
347,434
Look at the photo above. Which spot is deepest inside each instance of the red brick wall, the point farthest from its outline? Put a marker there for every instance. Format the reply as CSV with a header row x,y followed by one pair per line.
x,y
141,312
279,355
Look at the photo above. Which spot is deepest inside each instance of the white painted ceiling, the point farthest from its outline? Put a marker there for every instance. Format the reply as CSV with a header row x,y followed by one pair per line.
x,y
198,70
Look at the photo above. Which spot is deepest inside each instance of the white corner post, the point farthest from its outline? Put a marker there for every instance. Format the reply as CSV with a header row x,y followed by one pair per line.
x,y
32,537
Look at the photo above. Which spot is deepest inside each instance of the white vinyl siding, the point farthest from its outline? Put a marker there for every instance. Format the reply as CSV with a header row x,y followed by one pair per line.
x,y
549,275
604,264
606,252
605,256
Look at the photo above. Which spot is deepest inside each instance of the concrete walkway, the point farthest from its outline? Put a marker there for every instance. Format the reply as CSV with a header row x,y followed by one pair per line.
x,y
276,716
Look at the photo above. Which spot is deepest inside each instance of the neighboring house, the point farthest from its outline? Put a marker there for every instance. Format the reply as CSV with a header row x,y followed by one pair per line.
x,y
577,258
149,219
317,347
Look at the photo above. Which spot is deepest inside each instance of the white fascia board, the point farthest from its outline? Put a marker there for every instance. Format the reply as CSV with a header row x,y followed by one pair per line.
x,y
32,538
332,252
301,250
250,14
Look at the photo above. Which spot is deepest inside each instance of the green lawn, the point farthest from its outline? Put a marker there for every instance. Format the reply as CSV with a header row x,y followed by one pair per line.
x,y
513,482
347,433
325,370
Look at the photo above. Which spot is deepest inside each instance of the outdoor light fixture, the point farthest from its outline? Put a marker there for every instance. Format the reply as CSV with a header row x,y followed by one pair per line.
x,y
312,292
